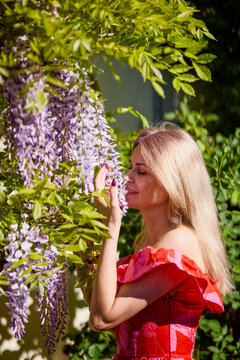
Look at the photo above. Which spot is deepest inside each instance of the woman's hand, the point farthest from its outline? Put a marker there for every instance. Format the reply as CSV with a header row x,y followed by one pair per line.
x,y
105,283
112,213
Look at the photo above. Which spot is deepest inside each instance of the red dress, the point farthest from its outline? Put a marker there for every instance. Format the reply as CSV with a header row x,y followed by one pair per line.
x,y
165,329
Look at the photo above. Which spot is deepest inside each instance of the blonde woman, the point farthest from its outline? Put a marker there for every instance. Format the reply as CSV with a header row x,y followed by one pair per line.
x,y
154,298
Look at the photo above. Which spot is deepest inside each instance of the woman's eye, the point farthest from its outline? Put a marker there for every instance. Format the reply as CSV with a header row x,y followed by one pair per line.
x,y
141,172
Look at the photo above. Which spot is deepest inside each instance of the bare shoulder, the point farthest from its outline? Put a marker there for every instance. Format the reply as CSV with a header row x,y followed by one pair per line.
x,y
184,240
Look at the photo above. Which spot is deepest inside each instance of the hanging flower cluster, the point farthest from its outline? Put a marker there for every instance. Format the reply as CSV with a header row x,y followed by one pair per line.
x,y
35,255
29,129
83,134
67,126
53,306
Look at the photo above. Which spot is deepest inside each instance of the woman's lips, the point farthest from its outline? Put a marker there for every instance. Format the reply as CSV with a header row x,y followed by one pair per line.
x,y
131,192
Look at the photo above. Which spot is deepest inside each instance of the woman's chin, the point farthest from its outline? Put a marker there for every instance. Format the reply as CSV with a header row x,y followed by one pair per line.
x,y
132,205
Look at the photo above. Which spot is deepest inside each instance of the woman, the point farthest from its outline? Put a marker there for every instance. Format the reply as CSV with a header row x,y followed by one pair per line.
x,y
153,299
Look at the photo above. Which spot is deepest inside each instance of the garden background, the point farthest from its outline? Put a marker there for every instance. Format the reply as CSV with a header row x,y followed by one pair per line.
x,y
144,45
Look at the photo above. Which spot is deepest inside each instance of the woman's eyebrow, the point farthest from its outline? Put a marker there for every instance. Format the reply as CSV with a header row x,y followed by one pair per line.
x,y
137,163
141,164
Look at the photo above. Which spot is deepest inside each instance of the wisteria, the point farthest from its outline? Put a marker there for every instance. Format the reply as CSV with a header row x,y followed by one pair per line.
x,y
18,292
53,307
67,125
36,256
29,130
83,133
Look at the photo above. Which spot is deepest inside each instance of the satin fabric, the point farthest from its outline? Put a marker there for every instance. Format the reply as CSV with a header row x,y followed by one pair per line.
x,y
166,329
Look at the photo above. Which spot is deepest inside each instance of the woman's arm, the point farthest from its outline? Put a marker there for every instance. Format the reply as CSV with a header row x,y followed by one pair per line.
x,y
110,307
133,297
105,283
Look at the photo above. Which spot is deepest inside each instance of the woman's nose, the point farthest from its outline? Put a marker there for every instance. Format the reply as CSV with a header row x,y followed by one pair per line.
x,y
127,177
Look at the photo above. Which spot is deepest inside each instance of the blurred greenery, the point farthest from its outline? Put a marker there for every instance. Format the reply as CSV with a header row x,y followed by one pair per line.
x,y
222,97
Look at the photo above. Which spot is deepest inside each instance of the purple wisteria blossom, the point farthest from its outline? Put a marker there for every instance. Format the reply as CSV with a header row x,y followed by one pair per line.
x,y
46,129
38,256
29,128
83,133
53,307
18,292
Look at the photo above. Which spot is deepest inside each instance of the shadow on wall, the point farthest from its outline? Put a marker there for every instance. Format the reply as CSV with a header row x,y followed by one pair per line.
x,y
133,91
32,346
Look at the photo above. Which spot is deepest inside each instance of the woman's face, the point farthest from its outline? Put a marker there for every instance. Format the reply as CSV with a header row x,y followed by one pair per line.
x,y
143,190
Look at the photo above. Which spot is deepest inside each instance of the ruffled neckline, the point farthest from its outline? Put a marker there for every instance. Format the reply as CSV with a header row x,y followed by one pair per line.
x,y
134,266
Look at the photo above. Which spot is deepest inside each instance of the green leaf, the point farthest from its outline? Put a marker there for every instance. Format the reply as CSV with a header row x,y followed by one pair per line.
x,y
4,282
42,263
176,84
158,89
145,122
35,48
92,214
206,58
37,210
95,350
40,184
60,260
27,271
213,349
146,70
26,191
88,237
157,73
57,82
184,15
67,217
19,263
75,259
187,78
188,89
36,256
74,248
76,45
179,68
30,278
210,36
41,288
98,224
4,72
215,325
67,226
203,72
229,338
190,55
82,245
34,284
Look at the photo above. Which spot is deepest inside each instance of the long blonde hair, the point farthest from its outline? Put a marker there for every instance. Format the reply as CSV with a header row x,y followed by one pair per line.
x,y
177,163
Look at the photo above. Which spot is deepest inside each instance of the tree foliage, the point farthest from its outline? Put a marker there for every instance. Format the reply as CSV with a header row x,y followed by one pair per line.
x,y
151,36
223,19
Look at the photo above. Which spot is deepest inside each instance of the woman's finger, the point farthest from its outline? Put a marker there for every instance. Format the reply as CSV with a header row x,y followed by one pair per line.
x,y
115,208
114,194
100,178
99,183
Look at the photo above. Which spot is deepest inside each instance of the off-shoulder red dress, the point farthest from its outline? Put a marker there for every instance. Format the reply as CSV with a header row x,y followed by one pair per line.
x,y
165,329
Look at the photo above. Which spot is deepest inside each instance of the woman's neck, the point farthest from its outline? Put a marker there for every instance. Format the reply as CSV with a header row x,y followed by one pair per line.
x,y
156,225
